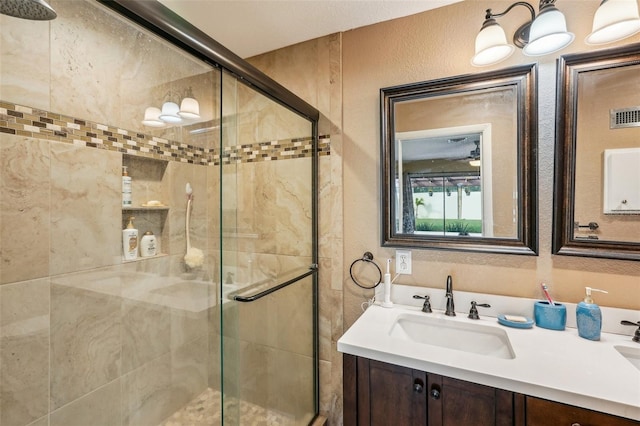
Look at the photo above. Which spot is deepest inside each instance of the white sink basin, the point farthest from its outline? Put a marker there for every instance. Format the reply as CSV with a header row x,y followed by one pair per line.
x,y
457,335
631,354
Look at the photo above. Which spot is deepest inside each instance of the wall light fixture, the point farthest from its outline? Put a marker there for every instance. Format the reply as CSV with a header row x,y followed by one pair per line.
x,y
544,34
171,113
547,32
614,20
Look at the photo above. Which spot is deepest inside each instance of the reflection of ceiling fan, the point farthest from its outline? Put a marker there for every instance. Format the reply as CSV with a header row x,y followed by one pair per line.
x,y
474,155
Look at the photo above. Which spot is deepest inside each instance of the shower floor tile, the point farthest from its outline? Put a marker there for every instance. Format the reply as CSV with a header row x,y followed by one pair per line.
x,y
204,410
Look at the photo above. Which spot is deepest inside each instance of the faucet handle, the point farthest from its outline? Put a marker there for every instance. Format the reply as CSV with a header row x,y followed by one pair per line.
x,y
636,337
473,312
426,306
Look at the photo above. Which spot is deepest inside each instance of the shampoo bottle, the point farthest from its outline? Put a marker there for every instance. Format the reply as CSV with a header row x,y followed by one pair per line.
x,y
126,188
148,245
589,316
130,241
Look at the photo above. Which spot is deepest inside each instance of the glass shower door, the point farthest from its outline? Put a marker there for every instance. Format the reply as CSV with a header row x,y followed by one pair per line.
x,y
268,273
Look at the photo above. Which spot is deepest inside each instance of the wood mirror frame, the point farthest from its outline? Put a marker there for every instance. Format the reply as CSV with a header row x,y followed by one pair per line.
x,y
523,79
565,241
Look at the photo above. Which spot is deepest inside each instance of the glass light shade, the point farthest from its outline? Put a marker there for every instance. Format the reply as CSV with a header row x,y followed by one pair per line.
x,y
548,33
613,21
491,46
152,117
170,113
189,109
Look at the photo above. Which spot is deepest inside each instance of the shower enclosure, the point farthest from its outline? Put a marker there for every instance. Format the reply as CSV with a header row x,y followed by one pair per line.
x,y
88,339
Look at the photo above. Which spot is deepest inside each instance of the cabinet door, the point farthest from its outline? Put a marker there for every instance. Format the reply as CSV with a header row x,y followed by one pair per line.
x,y
390,395
455,402
543,413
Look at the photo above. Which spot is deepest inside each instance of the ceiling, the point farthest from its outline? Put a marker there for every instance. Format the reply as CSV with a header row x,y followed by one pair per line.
x,y
252,27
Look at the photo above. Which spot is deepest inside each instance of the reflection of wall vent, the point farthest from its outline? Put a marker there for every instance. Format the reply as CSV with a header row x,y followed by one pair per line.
x,y
625,117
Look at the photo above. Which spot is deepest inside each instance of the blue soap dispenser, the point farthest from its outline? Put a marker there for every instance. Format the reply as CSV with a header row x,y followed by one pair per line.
x,y
589,316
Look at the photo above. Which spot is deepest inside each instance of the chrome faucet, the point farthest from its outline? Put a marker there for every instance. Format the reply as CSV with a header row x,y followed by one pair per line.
x,y
449,295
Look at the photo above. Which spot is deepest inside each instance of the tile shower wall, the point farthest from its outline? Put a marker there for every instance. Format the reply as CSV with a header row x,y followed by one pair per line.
x,y
312,70
79,332
85,339
103,345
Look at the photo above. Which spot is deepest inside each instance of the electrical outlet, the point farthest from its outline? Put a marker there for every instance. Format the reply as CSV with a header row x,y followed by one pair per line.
x,y
403,262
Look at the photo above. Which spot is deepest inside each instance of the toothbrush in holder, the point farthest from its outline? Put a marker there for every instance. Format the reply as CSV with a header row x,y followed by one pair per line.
x,y
545,290
387,287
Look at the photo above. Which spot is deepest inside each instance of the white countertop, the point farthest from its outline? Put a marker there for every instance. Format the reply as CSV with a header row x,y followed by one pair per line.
x,y
549,364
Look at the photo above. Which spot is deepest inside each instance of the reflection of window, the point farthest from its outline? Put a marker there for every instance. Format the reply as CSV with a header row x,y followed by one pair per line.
x,y
447,204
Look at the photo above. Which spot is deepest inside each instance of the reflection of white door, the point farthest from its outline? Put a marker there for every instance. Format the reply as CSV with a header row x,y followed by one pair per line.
x,y
484,130
622,181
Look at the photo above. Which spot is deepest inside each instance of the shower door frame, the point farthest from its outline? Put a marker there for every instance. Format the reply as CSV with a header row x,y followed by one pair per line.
x,y
161,21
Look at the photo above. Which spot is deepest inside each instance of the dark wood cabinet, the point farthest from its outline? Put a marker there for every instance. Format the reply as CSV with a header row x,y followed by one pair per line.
x,y
381,394
390,395
457,402
541,412
387,394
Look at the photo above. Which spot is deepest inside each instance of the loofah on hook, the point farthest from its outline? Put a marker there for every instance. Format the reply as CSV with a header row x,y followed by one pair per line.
x,y
194,258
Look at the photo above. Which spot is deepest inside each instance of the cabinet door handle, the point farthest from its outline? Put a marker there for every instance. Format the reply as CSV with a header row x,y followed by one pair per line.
x,y
435,394
418,386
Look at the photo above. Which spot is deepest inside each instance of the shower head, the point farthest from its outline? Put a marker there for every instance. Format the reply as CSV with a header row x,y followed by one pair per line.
x,y
35,10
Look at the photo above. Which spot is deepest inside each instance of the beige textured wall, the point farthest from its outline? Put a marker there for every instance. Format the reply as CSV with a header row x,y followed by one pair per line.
x,y
438,44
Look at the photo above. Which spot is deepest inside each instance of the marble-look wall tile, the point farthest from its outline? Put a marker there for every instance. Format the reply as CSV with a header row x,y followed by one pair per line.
x,y
189,371
255,370
276,203
85,341
87,56
42,421
24,55
144,333
293,310
187,326
289,385
325,309
24,352
146,393
294,206
102,407
322,88
24,208
214,354
85,208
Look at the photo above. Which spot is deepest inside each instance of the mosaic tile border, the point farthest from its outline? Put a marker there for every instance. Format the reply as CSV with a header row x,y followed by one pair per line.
x,y
40,124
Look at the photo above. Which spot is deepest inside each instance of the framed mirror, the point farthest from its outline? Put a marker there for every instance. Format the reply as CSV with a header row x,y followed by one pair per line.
x,y
597,165
458,158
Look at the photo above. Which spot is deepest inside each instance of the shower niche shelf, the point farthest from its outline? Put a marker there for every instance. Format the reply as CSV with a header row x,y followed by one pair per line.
x,y
146,209
148,179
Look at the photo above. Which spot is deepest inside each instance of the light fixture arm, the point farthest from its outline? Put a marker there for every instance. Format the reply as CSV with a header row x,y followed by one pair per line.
x,y
521,36
519,3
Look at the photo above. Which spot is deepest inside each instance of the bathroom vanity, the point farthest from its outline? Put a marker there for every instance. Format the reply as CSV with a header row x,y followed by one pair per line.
x,y
400,370
379,393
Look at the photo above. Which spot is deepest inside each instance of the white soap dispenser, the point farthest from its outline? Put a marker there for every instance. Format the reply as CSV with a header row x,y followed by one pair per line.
x,y
130,241
589,316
